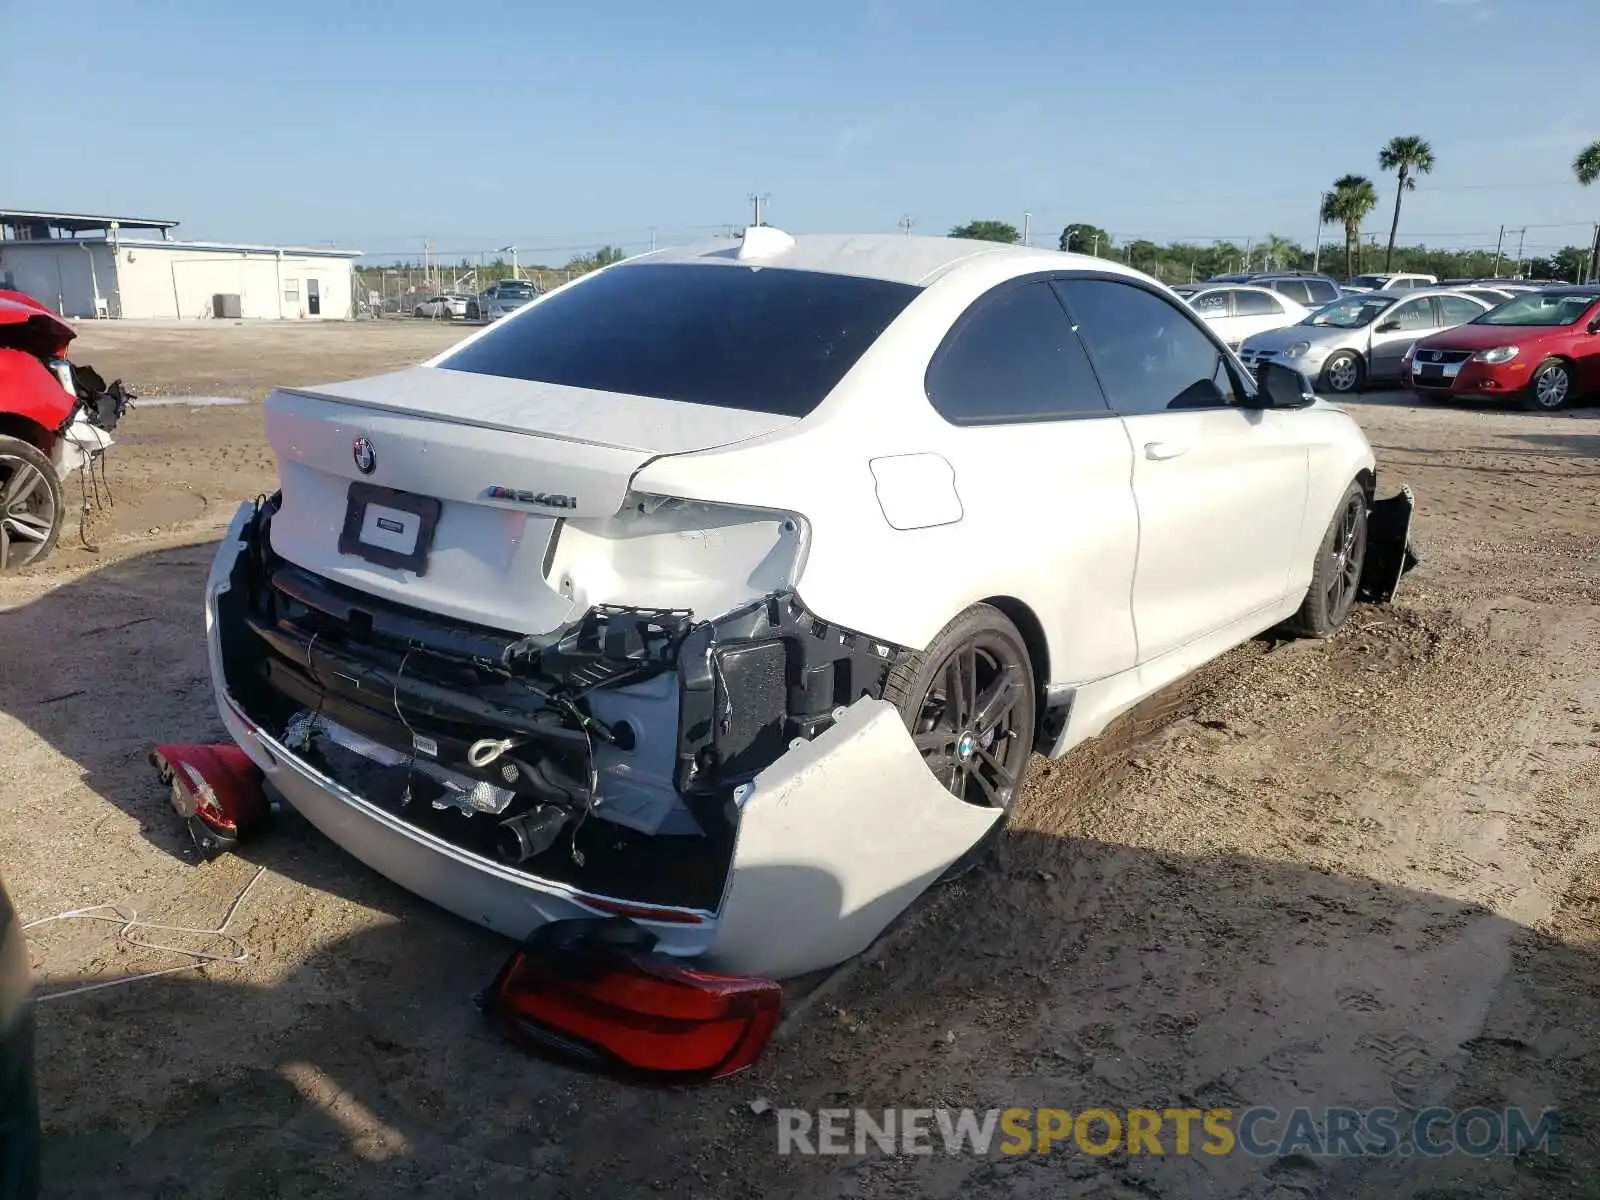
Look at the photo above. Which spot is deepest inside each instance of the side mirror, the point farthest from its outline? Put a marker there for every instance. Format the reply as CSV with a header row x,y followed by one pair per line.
x,y
1594,325
1283,387
1388,327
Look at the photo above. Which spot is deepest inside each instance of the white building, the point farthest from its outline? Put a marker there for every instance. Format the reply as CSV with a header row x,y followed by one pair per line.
x,y
93,266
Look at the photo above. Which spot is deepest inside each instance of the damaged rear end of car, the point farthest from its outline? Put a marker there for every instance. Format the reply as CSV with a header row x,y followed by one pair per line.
x,y
464,644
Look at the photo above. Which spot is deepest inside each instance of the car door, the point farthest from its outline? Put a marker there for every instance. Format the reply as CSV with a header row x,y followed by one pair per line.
x,y
1395,331
1042,469
1220,487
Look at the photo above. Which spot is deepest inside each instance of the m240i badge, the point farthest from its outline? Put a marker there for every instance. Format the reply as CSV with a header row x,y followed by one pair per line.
x,y
542,499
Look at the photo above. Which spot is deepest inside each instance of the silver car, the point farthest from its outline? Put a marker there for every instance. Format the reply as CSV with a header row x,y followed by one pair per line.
x,y
1356,340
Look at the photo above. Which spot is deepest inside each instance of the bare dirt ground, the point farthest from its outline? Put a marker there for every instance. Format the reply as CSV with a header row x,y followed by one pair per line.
x,y
1360,872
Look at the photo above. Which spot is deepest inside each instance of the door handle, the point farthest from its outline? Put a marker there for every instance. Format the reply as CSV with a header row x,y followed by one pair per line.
x,y
1164,450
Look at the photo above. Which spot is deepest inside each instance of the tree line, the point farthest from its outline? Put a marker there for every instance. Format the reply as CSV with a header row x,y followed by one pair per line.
x,y
1347,204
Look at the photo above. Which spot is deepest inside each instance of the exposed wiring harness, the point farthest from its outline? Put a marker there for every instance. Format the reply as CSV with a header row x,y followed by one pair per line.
x,y
128,920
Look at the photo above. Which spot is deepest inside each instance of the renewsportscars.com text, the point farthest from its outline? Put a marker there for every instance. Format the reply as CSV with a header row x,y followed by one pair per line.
x,y
1261,1132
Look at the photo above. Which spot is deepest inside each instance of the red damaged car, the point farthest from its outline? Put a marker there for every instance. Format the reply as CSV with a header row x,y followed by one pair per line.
x,y
55,418
1542,348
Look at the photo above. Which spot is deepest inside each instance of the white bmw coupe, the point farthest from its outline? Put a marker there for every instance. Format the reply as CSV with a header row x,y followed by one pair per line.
x,y
729,589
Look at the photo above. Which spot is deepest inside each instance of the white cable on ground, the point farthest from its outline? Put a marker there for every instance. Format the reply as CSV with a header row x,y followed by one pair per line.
x,y
128,920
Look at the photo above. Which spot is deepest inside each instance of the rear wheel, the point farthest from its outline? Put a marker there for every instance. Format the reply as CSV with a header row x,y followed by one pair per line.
x,y
1344,373
1336,578
969,701
1550,389
31,509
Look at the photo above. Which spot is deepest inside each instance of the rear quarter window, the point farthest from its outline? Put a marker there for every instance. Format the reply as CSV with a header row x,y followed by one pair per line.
x,y
761,339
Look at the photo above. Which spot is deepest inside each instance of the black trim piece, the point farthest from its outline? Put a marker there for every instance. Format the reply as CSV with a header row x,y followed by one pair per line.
x,y
1053,717
425,508
752,681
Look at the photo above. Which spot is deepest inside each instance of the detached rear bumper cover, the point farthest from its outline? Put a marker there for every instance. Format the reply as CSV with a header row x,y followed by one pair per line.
x,y
833,839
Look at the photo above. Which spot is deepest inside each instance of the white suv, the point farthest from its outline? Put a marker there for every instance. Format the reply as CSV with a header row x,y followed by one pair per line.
x,y
731,589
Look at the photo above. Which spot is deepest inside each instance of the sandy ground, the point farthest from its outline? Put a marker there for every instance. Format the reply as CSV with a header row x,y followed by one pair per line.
x,y
1361,872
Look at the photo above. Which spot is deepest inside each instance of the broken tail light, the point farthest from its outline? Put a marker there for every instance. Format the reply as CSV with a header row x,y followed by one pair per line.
x,y
216,790
590,991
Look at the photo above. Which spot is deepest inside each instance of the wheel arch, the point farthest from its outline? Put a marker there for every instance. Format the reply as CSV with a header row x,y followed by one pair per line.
x,y
1021,614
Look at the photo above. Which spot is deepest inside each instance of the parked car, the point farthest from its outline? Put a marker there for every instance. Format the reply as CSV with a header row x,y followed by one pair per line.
x,y
502,298
1357,340
641,602
1390,282
450,305
1235,311
19,1099
56,417
1492,295
1543,348
1303,287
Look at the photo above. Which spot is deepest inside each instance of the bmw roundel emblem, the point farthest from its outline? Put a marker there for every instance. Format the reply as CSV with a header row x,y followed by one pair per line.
x,y
366,457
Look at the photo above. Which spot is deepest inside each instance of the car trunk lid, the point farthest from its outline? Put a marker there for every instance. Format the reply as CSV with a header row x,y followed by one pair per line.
x,y
459,482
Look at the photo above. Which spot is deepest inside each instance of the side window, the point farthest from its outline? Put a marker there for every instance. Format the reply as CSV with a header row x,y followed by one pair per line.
x,y
1013,357
1458,311
1297,290
1151,357
1256,304
1411,315
1211,304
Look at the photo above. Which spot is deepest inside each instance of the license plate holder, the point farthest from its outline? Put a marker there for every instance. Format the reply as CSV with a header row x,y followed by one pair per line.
x,y
389,528
1430,371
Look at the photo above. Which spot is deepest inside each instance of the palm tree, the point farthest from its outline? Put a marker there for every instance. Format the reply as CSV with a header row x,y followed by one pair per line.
x,y
1587,168
1348,204
1410,157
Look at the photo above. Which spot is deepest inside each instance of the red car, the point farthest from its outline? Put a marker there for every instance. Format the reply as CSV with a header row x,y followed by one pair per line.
x,y
1542,348
55,418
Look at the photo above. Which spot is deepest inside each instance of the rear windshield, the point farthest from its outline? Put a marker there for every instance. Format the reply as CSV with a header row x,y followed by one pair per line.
x,y
763,339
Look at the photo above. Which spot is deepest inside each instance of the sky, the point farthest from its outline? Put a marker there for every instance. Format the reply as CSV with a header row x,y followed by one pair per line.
x,y
560,126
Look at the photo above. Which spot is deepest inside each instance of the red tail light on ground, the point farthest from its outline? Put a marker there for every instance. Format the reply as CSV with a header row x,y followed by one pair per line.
x,y
590,991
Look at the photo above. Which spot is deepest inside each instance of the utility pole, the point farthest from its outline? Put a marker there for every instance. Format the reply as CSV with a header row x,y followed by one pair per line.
x,y
1096,250
1521,233
1316,253
758,201
1027,221
1249,243
652,237
906,222
1495,274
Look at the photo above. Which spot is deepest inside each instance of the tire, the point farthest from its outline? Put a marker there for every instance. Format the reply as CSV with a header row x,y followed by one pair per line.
x,y
955,746
31,507
1550,387
417,311
1344,373
1336,577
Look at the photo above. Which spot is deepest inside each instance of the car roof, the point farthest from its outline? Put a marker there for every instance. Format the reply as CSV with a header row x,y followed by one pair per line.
x,y
895,258
1572,289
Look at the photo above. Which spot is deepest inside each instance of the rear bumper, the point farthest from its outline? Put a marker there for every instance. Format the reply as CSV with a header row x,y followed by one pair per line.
x,y
830,841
